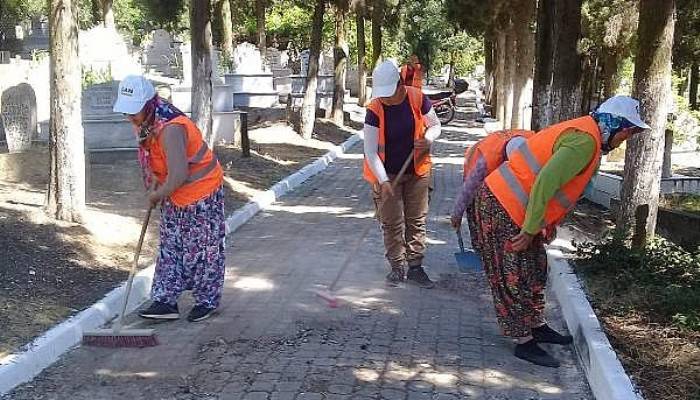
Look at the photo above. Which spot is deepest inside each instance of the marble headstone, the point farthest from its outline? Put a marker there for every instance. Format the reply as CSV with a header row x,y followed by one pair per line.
x,y
18,111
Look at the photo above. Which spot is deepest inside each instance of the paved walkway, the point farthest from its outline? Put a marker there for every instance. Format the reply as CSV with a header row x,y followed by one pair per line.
x,y
274,339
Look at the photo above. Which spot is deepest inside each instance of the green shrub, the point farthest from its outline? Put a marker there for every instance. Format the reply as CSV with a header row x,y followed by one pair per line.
x,y
662,280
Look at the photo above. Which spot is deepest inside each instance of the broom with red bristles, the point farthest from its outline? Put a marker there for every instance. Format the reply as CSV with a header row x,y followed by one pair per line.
x,y
328,294
118,336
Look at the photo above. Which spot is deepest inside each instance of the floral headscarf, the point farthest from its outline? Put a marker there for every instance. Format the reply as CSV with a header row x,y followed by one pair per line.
x,y
609,125
158,113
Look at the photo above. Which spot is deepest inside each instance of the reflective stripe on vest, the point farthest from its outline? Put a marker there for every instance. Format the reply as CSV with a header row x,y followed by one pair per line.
x,y
199,156
492,148
512,181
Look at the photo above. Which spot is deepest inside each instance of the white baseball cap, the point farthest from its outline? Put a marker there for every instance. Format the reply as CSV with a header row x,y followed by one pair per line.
x,y
384,79
625,107
134,92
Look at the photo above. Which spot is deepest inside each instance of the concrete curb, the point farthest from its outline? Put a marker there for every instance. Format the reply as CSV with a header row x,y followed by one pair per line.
x,y
19,368
606,376
46,349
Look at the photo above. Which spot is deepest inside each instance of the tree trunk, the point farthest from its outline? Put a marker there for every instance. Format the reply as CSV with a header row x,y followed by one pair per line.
x,y
223,13
652,86
611,74
340,59
544,65
566,79
588,85
524,13
488,69
361,62
107,13
693,91
377,21
308,108
260,18
66,192
510,60
200,35
501,80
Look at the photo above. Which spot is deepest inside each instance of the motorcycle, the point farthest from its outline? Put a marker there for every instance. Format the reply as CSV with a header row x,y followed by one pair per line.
x,y
445,102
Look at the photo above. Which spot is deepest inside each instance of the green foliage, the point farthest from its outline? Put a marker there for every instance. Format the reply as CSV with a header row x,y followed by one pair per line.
x,y
686,46
472,16
466,51
93,77
610,23
430,34
129,16
425,30
686,124
661,281
171,15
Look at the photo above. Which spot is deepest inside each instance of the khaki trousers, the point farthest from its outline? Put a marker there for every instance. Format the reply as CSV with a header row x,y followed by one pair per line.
x,y
403,219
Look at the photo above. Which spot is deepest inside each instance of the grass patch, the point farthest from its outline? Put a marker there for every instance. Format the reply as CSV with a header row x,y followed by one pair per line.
x,y
649,302
687,202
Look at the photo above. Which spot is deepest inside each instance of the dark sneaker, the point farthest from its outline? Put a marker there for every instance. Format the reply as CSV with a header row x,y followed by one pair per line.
x,y
418,276
545,334
395,277
158,310
200,313
530,351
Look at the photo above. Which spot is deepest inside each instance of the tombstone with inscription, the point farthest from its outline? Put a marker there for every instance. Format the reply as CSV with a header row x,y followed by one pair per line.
x,y
252,81
325,82
103,128
160,54
18,111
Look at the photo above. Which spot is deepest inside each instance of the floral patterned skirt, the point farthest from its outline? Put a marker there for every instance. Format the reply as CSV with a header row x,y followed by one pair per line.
x,y
517,280
191,255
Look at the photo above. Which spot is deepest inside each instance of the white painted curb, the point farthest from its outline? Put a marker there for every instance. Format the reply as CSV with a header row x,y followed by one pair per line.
x,y
16,369
45,350
606,376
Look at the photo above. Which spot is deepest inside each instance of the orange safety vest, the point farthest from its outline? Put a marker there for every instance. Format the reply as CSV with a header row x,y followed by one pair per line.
x,y
205,172
421,163
512,182
416,81
492,148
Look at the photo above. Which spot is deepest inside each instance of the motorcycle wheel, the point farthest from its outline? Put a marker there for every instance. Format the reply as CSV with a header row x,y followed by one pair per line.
x,y
445,114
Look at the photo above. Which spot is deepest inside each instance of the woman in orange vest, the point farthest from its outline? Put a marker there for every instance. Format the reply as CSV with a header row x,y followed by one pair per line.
x,y
533,191
185,178
480,160
400,123
412,72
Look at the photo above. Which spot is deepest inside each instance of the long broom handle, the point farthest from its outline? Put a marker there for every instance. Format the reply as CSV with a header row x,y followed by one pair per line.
x,y
365,231
135,264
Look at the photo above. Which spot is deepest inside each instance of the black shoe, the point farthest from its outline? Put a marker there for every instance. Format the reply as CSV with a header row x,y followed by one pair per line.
x,y
395,277
418,276
545,334
530,351
200,313
158,310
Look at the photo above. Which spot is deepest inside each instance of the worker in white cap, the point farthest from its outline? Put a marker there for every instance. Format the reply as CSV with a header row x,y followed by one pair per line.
x,y
400,123
188,187
521,203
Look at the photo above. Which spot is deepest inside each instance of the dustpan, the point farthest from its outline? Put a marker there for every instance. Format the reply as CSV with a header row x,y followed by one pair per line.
x,y
468,260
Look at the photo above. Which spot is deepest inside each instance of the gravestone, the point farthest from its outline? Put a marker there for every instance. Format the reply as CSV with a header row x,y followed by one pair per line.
x,y
98,100
18,111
